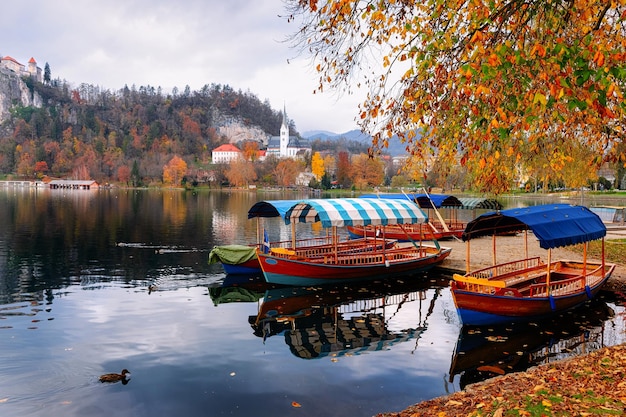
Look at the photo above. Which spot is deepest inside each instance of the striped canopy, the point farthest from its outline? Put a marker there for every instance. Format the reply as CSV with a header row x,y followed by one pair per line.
x,y
480,203
355,212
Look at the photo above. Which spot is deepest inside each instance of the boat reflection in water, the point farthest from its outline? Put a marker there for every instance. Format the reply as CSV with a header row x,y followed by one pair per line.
x,y
239,288
343,320
483,352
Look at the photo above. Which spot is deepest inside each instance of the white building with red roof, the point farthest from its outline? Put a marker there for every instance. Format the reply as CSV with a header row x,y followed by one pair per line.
x,y
225,154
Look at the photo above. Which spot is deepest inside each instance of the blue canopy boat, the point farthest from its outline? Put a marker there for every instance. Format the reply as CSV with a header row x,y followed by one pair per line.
x,y
529,288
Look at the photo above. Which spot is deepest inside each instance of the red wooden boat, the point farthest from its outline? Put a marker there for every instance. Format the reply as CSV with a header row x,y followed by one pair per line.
x,y
291,269
437,228
242,259
529,288
416,232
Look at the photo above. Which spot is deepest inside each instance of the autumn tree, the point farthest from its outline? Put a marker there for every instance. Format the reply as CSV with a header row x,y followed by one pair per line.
x,y
343,169
489,85
123,174
41,167
240,173
250,150
174,171
317,166
366,171
286,172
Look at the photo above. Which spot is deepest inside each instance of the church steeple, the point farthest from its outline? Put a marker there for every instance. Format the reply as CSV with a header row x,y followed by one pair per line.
x,y
284,134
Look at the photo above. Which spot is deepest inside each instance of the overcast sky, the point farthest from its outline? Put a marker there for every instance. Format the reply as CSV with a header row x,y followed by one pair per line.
x,y
170,44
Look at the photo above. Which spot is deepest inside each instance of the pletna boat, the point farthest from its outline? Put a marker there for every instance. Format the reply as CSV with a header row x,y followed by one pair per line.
x,y
242,259
288,268
437,227
530,288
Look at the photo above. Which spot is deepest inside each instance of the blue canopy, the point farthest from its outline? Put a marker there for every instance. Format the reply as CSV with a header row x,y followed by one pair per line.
x,y
554,225
355,212
271,208
426,201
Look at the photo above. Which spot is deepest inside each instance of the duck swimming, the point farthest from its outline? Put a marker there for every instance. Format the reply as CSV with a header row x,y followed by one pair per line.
x,y
124,377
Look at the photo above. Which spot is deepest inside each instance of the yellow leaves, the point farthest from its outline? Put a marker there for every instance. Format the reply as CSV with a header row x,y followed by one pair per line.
x,y
540,98
481,89
482,163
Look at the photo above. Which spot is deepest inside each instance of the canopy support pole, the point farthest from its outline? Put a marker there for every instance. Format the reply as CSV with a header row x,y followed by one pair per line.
x,y
526,246
467,256
548,271
493,249
585,263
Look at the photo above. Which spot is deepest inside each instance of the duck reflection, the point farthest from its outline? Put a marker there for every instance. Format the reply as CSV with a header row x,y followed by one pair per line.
x,y
483,352
343,320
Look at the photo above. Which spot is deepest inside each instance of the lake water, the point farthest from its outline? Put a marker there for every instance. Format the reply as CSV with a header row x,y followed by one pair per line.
x,y
92,282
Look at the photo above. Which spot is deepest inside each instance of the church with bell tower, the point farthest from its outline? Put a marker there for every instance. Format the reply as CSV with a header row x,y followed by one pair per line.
x,y
286,146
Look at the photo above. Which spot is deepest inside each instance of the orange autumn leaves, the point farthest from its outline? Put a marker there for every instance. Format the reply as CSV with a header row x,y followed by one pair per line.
x,y
485,80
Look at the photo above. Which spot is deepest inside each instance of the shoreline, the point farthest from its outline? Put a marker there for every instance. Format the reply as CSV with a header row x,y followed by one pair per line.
x,y
517,387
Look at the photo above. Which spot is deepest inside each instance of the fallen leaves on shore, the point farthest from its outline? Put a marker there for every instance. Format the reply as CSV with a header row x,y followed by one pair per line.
x,y
590,385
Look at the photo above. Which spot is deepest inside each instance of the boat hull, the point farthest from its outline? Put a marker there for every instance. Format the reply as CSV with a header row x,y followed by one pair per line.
x,y
298,272
476,308
251,266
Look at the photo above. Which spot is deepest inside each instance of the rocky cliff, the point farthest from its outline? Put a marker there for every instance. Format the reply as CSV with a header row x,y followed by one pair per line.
x,y
14,91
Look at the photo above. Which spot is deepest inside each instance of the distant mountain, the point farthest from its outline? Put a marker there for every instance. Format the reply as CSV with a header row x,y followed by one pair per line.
x,y
396,148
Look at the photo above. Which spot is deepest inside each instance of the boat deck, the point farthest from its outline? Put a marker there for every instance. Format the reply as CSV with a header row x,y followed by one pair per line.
x,y
532,280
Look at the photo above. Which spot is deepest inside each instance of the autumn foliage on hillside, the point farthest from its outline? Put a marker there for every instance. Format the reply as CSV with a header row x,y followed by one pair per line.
x,y
502,88
91,133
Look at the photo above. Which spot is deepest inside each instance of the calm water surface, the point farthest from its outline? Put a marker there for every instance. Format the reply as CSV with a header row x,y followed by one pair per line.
x,y
94,282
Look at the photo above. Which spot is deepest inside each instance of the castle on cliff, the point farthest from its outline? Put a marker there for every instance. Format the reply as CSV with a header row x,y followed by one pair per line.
x,y
29,70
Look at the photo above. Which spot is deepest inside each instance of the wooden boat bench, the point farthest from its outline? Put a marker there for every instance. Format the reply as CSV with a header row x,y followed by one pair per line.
x,y
524,278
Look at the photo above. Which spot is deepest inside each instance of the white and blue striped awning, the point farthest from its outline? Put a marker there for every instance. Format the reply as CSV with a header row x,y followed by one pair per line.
x,y
355,212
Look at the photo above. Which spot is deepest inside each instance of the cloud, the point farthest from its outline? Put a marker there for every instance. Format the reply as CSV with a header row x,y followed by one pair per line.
x,y
161,43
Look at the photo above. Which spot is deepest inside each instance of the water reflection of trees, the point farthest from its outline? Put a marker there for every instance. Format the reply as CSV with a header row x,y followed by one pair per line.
x,y
52,238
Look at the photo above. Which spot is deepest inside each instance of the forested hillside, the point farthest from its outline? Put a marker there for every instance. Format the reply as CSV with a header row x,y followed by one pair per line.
x,y
126,135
